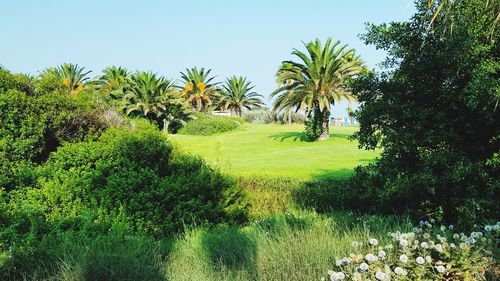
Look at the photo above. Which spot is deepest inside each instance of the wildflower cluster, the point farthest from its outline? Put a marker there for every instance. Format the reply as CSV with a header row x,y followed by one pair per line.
x,y
428,252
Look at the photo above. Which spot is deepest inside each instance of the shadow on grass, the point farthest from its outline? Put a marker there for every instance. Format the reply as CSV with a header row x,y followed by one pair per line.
x,y
295,136
324,192
230,248
300,137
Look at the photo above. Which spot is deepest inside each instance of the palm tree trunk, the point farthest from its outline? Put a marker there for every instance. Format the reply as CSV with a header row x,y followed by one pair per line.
x,y
325,129
289,117
166,124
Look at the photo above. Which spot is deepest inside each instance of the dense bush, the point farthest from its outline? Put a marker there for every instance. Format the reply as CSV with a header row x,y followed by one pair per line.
x,y
34,126
206,124
434,113
134,174
128,176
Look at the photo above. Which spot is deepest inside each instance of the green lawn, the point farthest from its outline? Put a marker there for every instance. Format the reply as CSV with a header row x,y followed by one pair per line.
x,y
277,150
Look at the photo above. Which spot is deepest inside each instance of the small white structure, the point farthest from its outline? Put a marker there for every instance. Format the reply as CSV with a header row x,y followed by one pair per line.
x,y
336,121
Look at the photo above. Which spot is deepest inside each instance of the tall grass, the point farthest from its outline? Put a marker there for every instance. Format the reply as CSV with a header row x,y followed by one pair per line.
x,y
298,246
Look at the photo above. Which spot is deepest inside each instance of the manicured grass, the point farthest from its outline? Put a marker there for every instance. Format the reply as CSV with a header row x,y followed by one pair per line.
x,y
278,150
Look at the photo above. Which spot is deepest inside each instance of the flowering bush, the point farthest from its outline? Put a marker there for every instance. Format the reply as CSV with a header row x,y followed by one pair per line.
x,y
427,253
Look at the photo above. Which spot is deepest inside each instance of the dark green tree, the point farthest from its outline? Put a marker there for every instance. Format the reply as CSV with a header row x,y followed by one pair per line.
x,y
434,111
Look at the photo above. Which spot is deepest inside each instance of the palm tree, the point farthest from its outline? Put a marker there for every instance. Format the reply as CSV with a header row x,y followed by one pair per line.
x,y
317,81
350,114
114,81
71,77
237,94
198,89
152,97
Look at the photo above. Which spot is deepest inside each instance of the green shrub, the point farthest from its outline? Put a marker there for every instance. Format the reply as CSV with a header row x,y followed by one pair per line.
x,y
433,111
137,173
10,81
208,125
451,197
34,126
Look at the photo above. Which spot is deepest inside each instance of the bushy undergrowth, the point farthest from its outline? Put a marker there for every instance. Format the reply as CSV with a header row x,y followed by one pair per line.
x,y
34,126
130,177
206,125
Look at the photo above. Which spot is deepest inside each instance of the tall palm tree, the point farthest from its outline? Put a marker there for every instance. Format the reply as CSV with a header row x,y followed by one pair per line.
x,y
199,89
114,81
317,81
152,97
71,77
237,94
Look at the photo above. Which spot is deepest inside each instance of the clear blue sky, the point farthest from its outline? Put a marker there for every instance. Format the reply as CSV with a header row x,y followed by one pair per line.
x,y
248,38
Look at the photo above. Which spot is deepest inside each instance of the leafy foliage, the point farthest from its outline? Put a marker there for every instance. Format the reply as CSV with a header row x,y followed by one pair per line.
x,y
434,112
135,175
34,126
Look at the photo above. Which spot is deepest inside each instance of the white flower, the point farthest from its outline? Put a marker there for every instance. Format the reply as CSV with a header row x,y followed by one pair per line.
x,y
403,258
380,275
338,262
433,221
452,245
488,228
364,266
456,236
399,271
403,243
427,236
420,260
462,246
381,254
428,259
403,236
357,276
450,227
438,248
440,268
370,258
336,276
373,242
496,227
443,228
424,245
